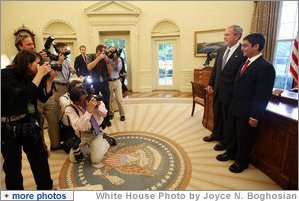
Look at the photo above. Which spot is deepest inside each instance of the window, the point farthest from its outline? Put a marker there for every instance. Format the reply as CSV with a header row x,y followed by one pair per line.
x,y
118,43
165,55
287,31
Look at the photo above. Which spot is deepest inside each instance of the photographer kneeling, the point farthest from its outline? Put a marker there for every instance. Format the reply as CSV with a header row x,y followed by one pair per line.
x,y
86,114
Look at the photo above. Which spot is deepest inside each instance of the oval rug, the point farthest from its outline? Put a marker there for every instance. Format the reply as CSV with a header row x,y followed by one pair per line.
x,y
140,161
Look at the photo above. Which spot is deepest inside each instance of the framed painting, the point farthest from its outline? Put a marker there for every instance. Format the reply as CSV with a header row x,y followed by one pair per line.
x,y
207,41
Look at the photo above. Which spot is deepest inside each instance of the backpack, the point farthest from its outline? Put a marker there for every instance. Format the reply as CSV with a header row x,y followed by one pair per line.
x,y
68,138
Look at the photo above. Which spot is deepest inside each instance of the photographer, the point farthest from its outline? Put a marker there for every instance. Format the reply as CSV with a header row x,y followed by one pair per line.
x,y
64,75
22,84
100,69
86,114
49,108
115,87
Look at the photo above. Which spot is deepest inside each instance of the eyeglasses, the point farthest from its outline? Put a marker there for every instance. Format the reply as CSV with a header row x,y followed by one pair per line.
x,y
245,46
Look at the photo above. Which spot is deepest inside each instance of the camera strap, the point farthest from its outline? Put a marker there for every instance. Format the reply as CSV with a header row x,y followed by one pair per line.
x,y
68,119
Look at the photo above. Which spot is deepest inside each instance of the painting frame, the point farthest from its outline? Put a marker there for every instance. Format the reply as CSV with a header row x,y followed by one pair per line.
x,y
203,38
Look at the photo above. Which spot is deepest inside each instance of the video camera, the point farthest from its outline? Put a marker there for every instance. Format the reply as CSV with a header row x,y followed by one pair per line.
x,y
110,54
48,43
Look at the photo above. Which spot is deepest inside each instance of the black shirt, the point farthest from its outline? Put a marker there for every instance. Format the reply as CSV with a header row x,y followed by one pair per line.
x,y
100,69
17,92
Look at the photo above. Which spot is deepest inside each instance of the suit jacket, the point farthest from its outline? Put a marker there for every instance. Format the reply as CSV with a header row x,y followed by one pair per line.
x,y
252,89
222,80
81,66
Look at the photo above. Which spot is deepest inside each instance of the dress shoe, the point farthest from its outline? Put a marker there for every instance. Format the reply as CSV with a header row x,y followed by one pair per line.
x,y
236,167
210,138
103,125
110,116
224,157
122,118
56,148
219,147
108,123
110,140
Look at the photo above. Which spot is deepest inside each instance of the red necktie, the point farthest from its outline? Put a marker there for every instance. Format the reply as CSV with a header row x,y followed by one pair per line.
x,y
84,57
245,66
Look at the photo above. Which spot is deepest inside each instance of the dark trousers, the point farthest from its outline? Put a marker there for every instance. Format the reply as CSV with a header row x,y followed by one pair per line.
x,y
11,150
220,120
123,86
242,137
103,87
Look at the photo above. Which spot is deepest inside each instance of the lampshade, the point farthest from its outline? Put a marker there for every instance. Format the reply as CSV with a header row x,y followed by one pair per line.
x,y
4,61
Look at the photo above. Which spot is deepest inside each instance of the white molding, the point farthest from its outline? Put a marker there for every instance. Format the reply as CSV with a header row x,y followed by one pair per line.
x,y
112,8
52,27
165,27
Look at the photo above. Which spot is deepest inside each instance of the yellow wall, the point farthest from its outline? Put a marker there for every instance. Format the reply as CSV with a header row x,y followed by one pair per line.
x,y
190,16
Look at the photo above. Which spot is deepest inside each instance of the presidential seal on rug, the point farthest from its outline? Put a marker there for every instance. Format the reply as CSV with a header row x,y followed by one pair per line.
x,y
140,161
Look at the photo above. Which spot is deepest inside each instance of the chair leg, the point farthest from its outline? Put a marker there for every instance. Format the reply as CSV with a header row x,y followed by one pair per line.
x,y
193,107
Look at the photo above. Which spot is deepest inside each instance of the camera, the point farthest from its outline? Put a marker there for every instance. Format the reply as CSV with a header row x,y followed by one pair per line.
x,y
88,86
47,45
53,66
97,97
110,54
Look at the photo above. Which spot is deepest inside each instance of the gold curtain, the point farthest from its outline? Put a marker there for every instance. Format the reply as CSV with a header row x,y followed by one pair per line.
x,y
265,21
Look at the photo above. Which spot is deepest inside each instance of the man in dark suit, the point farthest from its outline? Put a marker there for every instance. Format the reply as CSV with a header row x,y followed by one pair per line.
x,y
80,62
226,65
100,68
251,92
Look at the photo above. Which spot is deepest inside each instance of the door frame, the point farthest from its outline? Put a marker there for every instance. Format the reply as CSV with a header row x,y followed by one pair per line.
x,y
155,42
126,35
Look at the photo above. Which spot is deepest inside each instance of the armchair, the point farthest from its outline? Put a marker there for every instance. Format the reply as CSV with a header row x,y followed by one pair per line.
x,y
198,93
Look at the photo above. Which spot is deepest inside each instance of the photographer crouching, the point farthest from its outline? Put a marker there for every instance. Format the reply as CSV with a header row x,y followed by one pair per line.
x,y
22,84
86,114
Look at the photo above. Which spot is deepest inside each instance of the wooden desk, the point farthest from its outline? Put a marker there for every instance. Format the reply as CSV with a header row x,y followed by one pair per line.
x,y
276,148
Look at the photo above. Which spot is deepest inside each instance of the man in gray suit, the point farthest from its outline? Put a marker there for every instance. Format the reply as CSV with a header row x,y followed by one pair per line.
x,y
226,66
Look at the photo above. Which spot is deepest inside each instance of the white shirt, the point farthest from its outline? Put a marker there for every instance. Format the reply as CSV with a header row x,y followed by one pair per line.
x,y
64,101
232,50
252,59
82,122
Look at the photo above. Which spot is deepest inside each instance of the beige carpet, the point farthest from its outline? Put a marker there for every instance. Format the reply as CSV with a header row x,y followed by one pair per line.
x,y
170,118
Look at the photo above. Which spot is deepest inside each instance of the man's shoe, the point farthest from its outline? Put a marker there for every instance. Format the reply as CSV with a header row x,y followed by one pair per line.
x,y
122,118
224,157
56,148
103,125
110,140
210,138
236,167
110,117
108,123
219,147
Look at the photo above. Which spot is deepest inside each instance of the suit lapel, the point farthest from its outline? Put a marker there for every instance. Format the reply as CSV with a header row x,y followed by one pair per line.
x,y
237,53
250,68
221,53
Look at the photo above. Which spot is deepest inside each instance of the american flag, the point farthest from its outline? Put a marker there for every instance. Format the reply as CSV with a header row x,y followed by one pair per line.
x,y
294,62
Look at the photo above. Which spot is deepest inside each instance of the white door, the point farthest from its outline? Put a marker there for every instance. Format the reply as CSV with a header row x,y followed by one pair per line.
x,y
164,63
119,40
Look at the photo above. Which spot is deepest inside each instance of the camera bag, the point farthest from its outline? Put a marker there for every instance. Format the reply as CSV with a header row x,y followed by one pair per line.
x,y
67,134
